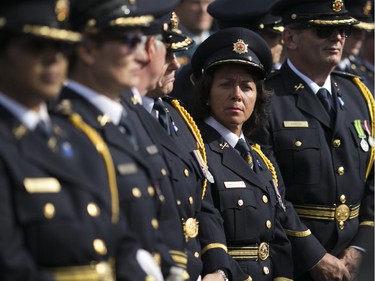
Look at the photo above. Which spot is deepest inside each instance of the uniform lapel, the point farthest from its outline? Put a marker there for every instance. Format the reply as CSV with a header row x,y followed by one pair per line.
x,y
306,100
93,117
229,156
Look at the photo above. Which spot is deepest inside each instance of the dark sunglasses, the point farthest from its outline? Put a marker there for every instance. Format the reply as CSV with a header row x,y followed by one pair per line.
x,y
131,39
325,32
39,45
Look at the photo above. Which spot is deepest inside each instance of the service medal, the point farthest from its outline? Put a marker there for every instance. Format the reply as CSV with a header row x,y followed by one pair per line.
x,y
364,145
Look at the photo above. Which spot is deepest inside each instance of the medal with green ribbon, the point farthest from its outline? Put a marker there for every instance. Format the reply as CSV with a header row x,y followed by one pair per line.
x,y
370,139
361,134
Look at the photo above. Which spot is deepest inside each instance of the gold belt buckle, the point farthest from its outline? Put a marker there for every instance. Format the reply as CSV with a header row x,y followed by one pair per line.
x,y
263,251
191,227
104,271
342,213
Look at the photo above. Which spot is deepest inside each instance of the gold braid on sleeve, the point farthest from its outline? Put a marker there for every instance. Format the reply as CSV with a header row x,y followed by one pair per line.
x,y
196,133
269,165
371,108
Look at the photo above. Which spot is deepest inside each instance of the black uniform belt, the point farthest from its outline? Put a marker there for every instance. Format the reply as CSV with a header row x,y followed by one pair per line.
x,y
256,252
339,213
102,271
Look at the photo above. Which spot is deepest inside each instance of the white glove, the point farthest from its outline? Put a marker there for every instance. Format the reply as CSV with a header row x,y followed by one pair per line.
x,y
148,264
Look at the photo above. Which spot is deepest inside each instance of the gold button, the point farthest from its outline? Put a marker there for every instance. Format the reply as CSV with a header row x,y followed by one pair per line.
x,y
186,172
196,254
336,143
163,172
240,202
157,258
151,191
93,210
266,270
100,247
298,143
154,223
342,198
191,200
341,171
49,210
178,202
268,224
136,192
265,199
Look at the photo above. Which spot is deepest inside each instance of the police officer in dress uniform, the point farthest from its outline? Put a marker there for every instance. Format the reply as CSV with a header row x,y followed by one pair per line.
x,y
59,206
229,97
106,64
178,171
351,61
180,126
321,131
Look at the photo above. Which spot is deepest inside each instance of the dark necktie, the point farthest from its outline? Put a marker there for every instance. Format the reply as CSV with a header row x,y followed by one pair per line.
x,y
126,127
43,130
326,99
245,152
164,118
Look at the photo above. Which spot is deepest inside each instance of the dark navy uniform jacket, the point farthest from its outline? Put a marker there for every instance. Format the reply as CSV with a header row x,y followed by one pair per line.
x,y
140,199
249,207
52,213
357,66
211,231
323,163
181,176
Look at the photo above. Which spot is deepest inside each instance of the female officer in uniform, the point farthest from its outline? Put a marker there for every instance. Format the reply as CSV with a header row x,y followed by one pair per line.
x,y
230,100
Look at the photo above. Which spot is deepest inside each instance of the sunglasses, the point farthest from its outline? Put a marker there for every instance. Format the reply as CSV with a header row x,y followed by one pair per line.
x,y
39,45
131,39
325,32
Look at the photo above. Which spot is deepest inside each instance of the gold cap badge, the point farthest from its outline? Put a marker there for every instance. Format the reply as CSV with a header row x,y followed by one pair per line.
x,y
337,6
240,47
62,9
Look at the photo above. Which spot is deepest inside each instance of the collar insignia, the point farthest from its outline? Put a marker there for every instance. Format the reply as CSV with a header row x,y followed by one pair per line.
x,y
224,145
298,87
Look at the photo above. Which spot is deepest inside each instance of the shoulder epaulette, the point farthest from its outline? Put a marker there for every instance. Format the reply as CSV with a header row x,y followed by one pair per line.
x,y
273,74
169,99
345,74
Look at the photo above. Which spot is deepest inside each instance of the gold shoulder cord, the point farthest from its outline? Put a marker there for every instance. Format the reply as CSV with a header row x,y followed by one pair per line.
x,y
270,166
102,148
371,108
197,135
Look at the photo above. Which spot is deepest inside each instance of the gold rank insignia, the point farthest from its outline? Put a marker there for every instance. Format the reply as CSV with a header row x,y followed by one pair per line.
x,y
337,6
62,9
240,47
299,87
